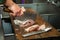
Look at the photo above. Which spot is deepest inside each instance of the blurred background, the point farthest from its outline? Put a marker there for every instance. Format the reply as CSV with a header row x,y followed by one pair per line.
x,y
48,9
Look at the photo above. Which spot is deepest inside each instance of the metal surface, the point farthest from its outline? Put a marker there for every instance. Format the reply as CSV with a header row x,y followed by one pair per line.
x,y
1,29
37,32
7,27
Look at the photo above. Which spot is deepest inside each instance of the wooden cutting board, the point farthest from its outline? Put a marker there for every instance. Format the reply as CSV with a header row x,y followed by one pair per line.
x,y
39,20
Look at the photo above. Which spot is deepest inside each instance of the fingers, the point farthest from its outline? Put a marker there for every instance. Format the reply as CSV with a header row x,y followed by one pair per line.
x,y
21,11
13,14
17,11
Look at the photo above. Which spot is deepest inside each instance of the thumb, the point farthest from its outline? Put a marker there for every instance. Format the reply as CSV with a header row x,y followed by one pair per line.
x,y
13,14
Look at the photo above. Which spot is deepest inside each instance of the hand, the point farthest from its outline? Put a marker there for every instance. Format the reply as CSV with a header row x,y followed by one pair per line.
x,y
16,10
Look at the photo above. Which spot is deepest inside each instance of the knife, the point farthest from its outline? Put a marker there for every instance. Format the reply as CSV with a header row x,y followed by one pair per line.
x,y
37,32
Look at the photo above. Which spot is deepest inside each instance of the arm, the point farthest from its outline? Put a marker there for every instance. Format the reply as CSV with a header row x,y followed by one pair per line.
x,y
16,10
9,3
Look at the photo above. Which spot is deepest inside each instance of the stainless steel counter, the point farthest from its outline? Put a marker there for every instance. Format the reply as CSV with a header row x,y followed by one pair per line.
x,y
1,29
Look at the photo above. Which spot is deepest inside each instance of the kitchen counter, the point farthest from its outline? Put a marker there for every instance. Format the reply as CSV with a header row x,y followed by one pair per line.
x,y
1,28
39,20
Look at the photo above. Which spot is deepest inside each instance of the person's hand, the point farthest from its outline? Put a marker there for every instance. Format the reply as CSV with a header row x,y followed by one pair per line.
x,y
16,10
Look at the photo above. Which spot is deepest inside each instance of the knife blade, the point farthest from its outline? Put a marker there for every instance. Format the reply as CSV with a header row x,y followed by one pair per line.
x,y
37,32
